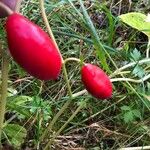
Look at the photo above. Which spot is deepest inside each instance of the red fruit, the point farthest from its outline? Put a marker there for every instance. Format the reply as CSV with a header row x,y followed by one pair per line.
x,y
10,3
96,81
32,48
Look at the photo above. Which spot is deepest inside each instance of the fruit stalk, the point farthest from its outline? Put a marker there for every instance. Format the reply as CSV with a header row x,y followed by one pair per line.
x,y
4,84
64,107
41,2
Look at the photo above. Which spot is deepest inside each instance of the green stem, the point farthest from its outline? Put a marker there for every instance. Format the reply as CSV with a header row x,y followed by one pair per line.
x,y
148,48
131,80
67,80
5,68
49,128
136,148
41,2
66,123
4,84
79,93
129,65
72,59
63,108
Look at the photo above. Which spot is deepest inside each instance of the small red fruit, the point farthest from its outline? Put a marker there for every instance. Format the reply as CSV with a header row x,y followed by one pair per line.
x,y
96,81
32,48
10,3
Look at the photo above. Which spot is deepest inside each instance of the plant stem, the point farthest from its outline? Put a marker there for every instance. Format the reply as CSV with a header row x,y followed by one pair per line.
x,y
79,93
67,80
5,68
136,148
41,2
72,59
4,84
63,108
61,111
131,80
6,8
66,123
130,65
49,128
148,48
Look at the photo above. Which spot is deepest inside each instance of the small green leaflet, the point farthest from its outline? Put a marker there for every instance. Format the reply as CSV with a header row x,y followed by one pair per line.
x,y
138,21
138,70
136,55
130,114
15,133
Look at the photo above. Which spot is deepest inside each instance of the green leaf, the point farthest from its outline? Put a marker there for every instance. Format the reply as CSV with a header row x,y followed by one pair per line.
x,y
138,71
112,23
137,113
128,117
15,133
39,105
138,21
125,108
18,104
136,55
100,50
19,100
148,88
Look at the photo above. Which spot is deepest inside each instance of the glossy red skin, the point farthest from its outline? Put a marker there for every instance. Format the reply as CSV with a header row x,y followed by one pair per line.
x,y
10,3
32,48
96,82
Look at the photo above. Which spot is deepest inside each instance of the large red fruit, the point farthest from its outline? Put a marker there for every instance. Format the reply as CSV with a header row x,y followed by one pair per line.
x,y
10,3
32,48
96,81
